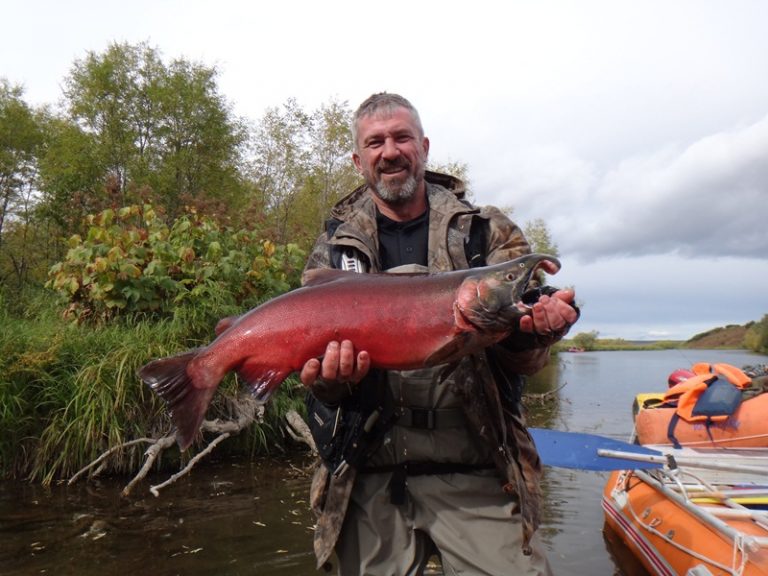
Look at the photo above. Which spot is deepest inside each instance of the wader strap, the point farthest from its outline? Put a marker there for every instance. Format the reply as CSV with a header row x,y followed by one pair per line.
x,y
427,419
400,473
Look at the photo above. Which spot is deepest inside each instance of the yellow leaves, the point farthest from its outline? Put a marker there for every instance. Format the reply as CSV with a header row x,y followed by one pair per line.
x,y
187,254
101,264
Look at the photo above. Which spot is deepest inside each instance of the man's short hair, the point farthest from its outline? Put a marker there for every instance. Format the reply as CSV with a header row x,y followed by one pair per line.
x,y
383,102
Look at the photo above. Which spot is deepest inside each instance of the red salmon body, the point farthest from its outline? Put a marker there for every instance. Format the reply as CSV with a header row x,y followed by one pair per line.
x,y
402,321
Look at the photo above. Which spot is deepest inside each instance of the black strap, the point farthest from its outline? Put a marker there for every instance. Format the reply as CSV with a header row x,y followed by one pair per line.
x,y
671,430
476,243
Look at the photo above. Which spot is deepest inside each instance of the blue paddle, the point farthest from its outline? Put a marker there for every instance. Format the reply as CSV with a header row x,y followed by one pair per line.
x,y
579,450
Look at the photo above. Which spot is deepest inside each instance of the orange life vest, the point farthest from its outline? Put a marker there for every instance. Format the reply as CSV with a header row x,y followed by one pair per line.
x,y
713,395
734,375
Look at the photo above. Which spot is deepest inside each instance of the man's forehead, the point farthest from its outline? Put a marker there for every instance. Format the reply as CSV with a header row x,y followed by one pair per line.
x,y
384,120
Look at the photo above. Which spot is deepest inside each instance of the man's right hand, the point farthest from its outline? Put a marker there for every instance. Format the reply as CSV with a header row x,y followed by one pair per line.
x,y
331,378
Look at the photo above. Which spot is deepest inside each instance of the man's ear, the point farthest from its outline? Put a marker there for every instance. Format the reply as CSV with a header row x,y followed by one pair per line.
x,y
357,163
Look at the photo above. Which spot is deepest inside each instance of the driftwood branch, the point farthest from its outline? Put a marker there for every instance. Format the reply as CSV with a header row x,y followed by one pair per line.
x,y
299,431
103,458
188,468
543,398
246,412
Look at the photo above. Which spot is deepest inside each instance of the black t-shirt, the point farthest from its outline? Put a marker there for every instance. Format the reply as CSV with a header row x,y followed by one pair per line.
x,y
403,243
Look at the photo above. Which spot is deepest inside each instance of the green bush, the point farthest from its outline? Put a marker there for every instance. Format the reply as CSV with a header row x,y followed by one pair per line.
x,y
756,338
139,290
132,263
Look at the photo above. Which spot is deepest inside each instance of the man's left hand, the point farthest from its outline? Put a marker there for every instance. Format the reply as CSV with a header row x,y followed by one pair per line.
x,y
551,315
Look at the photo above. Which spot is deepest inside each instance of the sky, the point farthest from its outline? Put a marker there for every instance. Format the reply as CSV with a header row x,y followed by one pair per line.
x,y
637,130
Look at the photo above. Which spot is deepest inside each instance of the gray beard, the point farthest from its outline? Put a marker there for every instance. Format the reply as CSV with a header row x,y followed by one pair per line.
x,y
397,193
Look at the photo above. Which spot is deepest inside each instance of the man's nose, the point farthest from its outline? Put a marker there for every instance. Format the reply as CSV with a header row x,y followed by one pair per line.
x,y
390,148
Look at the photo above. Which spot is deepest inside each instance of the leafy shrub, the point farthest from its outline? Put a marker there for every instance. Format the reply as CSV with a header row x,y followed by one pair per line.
x,y
70,390
132,263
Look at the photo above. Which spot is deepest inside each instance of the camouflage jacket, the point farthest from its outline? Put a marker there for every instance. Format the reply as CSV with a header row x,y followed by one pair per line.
x,y
480,377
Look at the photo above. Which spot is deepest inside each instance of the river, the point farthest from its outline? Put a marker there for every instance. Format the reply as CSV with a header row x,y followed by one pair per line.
x,y
237,518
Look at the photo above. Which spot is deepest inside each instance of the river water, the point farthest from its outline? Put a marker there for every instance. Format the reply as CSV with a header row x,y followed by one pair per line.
x,y
233,518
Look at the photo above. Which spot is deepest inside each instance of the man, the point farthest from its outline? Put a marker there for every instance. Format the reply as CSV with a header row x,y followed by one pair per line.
x,y
457,473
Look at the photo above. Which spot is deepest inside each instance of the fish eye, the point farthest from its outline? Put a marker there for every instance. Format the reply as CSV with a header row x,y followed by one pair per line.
x,y
510,276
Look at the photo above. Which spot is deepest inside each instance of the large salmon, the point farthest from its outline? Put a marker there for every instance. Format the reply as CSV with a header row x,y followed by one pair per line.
x,y
403,321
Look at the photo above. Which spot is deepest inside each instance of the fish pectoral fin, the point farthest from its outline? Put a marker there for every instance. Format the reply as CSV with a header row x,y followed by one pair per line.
x,y
262,379
187,404
458,346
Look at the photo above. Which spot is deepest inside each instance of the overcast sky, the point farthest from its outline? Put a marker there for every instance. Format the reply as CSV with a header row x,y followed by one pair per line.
x,y
638,130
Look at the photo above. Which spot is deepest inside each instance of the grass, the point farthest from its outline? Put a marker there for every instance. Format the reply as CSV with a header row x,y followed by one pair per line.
x,y
68,392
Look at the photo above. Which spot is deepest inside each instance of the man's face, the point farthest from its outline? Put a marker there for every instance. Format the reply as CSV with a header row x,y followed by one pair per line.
x,y
391,154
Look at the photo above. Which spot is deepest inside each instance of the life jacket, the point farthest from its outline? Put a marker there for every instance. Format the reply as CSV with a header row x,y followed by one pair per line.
x,y
734,375
712,395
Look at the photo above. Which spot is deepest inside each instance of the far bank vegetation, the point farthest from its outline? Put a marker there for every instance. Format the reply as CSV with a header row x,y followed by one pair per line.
x,y
751,336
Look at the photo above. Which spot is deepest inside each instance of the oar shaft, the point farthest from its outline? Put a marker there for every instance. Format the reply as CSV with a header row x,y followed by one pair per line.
x,y
683,461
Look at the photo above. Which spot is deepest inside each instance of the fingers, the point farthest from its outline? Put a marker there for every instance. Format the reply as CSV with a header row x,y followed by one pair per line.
x,y
551,314
339,364
309,372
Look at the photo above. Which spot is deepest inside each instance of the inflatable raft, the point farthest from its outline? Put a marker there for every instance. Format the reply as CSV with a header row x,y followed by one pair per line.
x,y
671,417
705,513
678,523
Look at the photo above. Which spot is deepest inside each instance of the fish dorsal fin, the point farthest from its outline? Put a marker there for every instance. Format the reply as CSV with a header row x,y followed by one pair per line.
x,y
318,276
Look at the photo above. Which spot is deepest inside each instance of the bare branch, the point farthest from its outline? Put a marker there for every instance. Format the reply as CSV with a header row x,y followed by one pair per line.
x,y
245,411
186,470
105,455
299,430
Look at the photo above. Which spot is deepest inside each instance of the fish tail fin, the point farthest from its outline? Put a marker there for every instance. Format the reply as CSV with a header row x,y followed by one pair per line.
x,y
187,403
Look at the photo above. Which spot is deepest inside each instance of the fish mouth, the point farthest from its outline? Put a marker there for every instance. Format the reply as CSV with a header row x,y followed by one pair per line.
x,y
532,295
547,264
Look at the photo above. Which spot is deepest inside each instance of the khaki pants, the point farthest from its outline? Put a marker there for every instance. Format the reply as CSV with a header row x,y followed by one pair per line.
x,y
465,518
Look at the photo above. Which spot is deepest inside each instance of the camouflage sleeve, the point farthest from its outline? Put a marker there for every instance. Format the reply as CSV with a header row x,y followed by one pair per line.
x,y
320,256
505,238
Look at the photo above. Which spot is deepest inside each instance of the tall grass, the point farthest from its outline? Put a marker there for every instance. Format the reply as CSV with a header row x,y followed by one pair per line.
x,y
68,392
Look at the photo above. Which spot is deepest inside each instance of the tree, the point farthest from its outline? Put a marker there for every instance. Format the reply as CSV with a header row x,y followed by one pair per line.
x,y
756,338
331,142
152,130
301,167
21,137
586,340
280,164
538,236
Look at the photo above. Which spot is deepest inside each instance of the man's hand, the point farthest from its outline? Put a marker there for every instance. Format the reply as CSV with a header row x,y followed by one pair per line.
x,y
551,315
331,378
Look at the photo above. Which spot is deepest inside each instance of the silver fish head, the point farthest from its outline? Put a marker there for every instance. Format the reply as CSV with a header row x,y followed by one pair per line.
x,y
494,299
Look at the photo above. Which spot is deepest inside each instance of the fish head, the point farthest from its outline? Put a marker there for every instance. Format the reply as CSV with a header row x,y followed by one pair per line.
x,y
494,299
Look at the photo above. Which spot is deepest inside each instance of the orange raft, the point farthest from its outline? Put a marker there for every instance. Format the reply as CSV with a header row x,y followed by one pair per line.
x,y
746,428
674,530
663,416
705,513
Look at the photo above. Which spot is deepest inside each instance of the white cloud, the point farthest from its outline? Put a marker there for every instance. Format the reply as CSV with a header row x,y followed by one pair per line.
x,y
705,200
